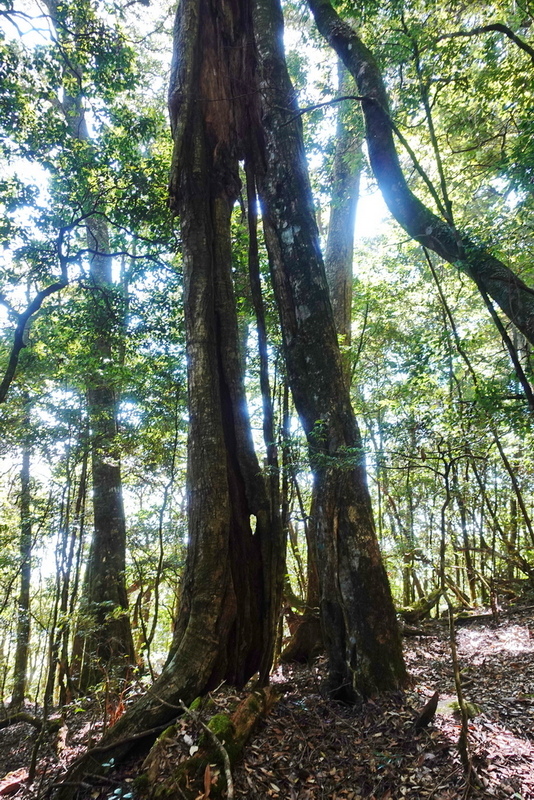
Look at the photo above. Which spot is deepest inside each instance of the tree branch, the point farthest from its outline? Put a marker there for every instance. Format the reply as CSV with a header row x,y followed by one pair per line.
x,y
23,318
494,26
315,106
510,293
19,339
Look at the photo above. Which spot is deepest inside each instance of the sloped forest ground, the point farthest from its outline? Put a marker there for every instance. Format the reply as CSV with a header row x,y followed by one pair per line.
x,y
310,748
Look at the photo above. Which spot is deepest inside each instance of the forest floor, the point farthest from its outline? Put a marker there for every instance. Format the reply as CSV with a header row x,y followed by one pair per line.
x,y
310,748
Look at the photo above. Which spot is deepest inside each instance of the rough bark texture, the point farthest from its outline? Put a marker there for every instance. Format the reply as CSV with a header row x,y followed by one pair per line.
x,y
357,613
229,598
306,642
240,565
510,293
225,625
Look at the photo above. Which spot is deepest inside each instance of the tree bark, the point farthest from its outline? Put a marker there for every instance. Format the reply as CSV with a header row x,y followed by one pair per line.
x,y
233,577
491,275
70,570
167,774
105,624
275,557
240,563
358,617
306,641
224,629
225,625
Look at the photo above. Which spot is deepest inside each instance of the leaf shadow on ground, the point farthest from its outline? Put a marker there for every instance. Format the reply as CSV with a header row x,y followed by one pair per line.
x,y
311,748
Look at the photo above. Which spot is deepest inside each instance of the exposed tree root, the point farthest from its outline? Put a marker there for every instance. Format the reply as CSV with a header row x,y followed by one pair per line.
x,y
207,771
23,716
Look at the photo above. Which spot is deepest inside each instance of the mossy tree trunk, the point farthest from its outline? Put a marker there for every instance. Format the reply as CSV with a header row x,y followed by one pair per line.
x,y
168,776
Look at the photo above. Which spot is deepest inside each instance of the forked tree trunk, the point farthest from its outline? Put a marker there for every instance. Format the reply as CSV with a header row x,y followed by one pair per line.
x,y
232,586
225,627
235,551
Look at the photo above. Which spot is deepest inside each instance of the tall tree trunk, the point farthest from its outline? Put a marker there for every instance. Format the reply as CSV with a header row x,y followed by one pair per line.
x,y
231,590
346,174
70,570
105,625
492,277
358,616
468,558
225,626
104,644
274,555
25,549
513,530
236,565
